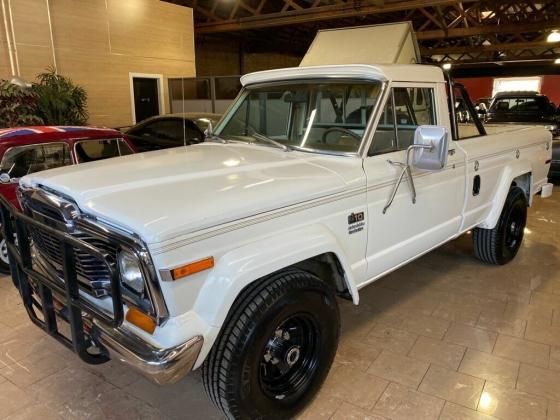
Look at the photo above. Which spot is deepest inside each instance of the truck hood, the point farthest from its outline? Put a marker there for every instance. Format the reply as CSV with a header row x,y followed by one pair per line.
x,y
165,194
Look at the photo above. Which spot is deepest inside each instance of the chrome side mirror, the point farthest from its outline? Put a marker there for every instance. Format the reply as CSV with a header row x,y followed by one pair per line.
x,y
429,152
434,156
209,132
5,178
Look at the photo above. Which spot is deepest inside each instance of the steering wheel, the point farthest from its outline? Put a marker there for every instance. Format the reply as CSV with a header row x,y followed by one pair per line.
x,y
355,136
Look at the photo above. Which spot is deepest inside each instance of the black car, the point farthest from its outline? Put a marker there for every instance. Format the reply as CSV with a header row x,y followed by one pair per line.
x,y
172,130
524,107
555,164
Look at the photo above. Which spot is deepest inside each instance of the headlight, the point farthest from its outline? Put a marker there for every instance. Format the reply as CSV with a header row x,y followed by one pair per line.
x,y
551,127
131,274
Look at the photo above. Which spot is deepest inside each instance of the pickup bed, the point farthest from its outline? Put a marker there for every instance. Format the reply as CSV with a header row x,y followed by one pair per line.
x,y
230,255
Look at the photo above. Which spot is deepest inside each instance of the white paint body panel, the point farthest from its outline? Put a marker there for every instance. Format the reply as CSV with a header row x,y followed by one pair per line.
x,y
257,209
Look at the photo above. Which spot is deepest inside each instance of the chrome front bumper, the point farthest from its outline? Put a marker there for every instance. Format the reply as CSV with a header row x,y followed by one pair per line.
x,y
162,366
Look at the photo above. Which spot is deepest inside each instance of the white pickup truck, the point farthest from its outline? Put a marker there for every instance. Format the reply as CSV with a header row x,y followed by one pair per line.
x,y
230,255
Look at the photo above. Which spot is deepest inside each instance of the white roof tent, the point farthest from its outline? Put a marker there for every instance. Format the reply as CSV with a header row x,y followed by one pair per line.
x,y
393,43
380,52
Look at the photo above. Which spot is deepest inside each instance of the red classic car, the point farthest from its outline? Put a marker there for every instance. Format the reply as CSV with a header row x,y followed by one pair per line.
x,y
24,150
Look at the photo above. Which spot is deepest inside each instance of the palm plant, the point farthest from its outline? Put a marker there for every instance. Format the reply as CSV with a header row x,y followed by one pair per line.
x,y
59,101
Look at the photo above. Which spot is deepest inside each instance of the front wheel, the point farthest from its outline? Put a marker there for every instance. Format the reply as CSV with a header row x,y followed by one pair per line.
x,y
500,245
4,261
275,349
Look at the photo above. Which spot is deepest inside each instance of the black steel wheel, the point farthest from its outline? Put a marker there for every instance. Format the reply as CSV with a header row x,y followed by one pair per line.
x,y
290,357
501,244
275,349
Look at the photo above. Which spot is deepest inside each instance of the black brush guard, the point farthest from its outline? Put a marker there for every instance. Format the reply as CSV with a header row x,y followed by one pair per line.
x,y
15,224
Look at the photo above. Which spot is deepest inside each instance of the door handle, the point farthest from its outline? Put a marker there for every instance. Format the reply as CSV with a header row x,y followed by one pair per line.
x,y
451,152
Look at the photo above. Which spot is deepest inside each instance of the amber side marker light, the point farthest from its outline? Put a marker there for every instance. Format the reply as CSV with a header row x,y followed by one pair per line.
x,y
192,268
141,320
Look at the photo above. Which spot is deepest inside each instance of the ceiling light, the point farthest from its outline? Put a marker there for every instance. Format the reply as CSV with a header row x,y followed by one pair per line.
x,y
486,43
557,61
446,66
486,14
554,36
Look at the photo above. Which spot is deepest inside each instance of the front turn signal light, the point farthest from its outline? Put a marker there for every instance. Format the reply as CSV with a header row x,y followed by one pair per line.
x,y
141,320
192,268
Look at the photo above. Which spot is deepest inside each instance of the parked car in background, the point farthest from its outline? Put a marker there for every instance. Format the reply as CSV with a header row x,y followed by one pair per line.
x,y
555,163
171,130
524,107
481,106
25,150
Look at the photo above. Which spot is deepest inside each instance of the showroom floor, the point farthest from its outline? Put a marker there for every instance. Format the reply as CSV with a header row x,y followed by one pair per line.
x,y
440,338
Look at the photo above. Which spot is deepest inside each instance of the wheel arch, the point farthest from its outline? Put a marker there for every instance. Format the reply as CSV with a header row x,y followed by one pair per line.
x,y
312,248
519,174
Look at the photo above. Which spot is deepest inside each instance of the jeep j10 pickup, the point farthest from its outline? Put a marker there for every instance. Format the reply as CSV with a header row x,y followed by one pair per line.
x,y
229,255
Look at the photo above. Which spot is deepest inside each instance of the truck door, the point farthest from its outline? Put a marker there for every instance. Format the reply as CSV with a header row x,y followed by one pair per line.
x,y
408,229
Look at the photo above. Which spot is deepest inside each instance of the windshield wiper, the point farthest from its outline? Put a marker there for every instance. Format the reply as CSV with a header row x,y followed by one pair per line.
x,y
268,140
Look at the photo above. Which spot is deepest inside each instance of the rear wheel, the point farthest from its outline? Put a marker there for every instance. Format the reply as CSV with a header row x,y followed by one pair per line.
x,y
275,348
500,245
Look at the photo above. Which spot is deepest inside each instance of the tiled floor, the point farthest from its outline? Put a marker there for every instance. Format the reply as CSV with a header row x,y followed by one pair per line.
x,y
445,337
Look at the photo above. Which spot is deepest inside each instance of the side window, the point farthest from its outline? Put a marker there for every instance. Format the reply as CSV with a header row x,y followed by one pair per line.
x,y
385,137
193,135
91,150
124,148
24,160
413,107
405,110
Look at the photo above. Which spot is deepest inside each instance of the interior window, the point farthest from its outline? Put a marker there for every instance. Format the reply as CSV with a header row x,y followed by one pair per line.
x,y
405,110
24,160
90,150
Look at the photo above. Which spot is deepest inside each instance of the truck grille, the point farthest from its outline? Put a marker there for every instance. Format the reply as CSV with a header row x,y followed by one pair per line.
x,y
93,272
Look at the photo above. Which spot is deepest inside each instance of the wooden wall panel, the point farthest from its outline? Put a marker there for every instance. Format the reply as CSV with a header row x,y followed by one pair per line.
x,y
80,25
5,70
33,60
30,17
98,43
150,29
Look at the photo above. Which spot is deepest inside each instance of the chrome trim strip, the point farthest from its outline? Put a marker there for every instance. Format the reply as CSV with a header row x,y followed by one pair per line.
x,y
513,149
252,220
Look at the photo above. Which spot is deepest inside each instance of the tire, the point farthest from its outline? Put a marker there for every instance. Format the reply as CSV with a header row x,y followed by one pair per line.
x,y
4,262
500,245
275,348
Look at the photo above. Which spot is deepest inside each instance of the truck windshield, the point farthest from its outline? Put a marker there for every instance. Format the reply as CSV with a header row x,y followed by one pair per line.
x,y
322,116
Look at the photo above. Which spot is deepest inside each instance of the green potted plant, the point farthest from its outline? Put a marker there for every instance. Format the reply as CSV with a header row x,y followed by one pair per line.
x,y
59,100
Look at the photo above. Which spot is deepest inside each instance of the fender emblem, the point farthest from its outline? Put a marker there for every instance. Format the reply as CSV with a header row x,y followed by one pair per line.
x,y
356,222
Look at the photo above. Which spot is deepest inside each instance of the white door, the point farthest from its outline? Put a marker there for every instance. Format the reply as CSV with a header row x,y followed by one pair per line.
x,y
406,229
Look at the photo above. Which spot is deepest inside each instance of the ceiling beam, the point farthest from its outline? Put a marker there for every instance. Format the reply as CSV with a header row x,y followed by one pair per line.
x,y
320,13
545,25
512,46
